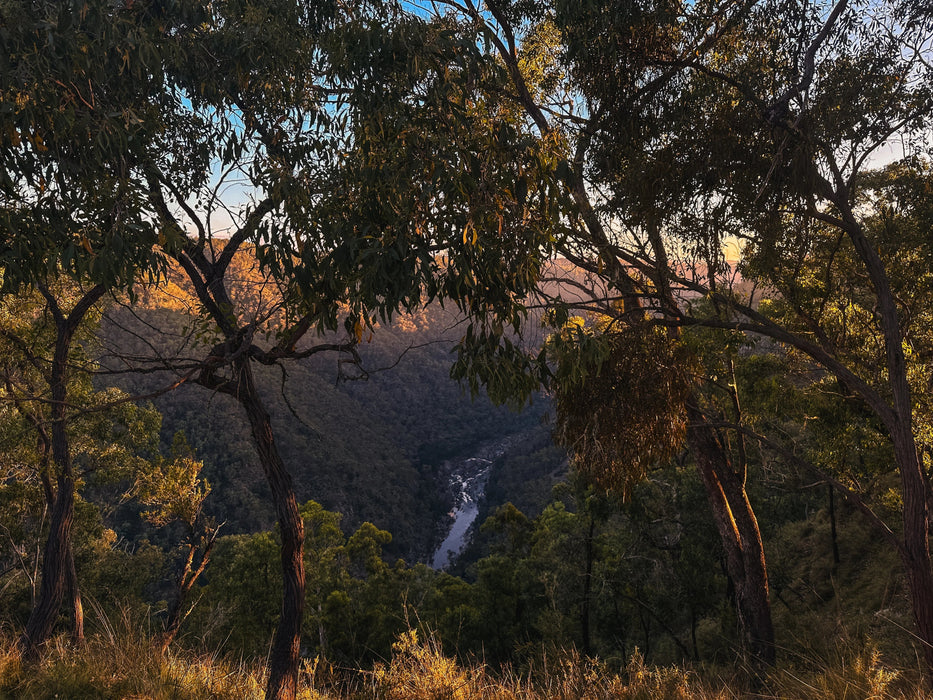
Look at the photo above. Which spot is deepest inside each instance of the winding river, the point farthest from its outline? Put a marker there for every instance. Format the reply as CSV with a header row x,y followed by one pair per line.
x,y
467,483
471,485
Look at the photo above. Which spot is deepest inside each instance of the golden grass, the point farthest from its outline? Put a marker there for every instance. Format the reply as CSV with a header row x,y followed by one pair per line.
x,y
124,668
127,666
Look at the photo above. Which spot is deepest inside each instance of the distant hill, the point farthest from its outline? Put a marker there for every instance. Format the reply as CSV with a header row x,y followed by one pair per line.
x,y
370,449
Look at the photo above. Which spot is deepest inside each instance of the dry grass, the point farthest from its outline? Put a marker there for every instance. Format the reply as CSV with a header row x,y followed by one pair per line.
x,y
126,666
122,667
857,671
420,671
126,671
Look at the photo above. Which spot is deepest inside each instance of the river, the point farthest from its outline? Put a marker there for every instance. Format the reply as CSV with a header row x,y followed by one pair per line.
x,y
466,483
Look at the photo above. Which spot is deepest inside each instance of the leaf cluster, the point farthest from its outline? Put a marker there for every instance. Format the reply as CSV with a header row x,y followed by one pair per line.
x,y
621,399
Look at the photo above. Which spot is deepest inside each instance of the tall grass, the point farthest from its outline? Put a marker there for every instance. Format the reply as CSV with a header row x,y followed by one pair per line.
x,y
122,665
125,665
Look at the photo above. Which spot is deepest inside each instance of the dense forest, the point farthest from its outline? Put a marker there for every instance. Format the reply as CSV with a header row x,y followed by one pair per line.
x,y
632,298
571,566
368,442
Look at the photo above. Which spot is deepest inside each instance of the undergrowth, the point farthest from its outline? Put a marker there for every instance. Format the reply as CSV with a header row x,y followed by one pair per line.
x,y
126,666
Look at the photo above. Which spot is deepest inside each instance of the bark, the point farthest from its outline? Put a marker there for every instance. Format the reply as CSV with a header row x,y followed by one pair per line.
x,y
74,589
54,571
920,583
57,561
207,277
284,656
77,608
915,554
738,529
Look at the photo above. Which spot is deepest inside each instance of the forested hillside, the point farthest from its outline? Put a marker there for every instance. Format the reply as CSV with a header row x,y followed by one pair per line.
x,y
271,270
365,436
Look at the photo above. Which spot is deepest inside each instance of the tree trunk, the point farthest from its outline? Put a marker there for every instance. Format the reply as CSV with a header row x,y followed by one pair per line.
x,y
898,417
725,490
173,624
915,554
738,529
210,288
54,571
284,656
77,608
58,561
74,590
189,576
752,594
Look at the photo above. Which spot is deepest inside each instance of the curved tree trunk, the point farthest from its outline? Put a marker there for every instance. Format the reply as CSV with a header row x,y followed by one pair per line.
x,y
284,656
738,529
207,276
898,418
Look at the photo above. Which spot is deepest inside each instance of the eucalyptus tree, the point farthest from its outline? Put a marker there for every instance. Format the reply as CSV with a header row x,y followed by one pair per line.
x,y
123,124
333,250
363,162
688,137
174,491
107,104
624,388
80,88
761,128
104,105
106,433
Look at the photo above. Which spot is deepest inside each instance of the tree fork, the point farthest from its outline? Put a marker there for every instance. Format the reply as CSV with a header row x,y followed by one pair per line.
x,y
733,514
57,559
738,530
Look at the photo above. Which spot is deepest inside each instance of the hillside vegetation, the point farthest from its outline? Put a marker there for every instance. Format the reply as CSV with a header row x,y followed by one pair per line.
x,y
633,300
365,437
563,586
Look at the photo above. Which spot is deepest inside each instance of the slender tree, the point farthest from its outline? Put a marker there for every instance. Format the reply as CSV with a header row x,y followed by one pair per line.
x,y
351,208
79,90
104,431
